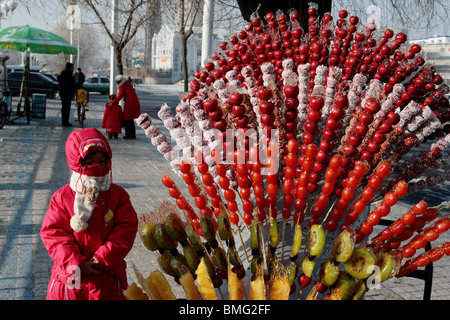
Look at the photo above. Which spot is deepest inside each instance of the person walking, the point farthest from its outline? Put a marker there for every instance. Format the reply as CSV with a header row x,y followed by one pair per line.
x,y
67,90
90,225
112,119
132,107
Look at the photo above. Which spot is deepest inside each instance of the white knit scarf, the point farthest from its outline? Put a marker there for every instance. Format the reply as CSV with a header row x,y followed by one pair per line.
x,y
86,190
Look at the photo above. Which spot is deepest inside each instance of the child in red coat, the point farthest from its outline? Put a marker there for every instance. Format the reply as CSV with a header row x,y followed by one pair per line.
x,y
112,118
90,226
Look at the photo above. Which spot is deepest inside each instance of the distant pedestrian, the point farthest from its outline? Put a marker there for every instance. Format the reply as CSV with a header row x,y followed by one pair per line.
x,y
79,78
112,119
132,107
67,90
90,226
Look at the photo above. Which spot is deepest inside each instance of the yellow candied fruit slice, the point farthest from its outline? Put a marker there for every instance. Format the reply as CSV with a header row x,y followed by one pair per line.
x,y
133,292
206,287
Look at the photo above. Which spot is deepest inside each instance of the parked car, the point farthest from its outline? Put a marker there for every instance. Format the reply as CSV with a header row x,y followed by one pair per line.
x,y
97,84
53,77
21,68
39,83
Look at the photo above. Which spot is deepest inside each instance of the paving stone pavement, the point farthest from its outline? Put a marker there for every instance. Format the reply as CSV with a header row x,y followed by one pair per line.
x,y
33,167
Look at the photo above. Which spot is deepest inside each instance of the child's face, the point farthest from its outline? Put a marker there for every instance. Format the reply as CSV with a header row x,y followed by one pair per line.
x,y
95,157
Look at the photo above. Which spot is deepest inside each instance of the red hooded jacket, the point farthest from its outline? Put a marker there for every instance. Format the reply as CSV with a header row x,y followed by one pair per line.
x,y
109,237
132,108
112,119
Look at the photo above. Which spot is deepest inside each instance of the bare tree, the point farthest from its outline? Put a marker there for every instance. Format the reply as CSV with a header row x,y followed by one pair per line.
x,y
417,17
132,15
86,40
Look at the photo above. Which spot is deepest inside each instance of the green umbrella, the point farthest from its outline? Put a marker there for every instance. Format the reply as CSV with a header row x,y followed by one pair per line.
x,y
28,39
37,40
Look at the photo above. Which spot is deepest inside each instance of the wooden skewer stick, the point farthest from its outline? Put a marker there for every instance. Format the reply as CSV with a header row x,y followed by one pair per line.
x,y
242,218
221,294
243,246
304,212
239,232
240,236
240,215
282,241
263,242
329,211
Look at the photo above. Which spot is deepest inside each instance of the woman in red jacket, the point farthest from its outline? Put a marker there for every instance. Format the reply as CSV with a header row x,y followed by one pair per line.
x,y
132,107
90,225
112,119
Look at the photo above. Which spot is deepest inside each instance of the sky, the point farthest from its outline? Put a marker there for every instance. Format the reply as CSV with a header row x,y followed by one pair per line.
x,y
45,17
37,18
40,16
389,17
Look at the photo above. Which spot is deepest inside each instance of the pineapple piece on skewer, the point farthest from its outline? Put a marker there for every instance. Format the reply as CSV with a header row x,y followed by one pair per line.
x,y
189,287
205,284
258,286
133,292
150,289
163,287
235,285
280,288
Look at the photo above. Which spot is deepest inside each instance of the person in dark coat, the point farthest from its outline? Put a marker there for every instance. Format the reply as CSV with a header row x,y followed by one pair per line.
x,y
79,78
67,90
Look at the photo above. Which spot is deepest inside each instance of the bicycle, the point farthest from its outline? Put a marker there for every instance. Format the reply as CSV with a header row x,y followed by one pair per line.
x,y
7,115
3,113
82,105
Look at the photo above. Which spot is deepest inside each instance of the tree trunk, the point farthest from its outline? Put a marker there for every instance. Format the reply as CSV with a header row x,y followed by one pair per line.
x,y
119,63
185,65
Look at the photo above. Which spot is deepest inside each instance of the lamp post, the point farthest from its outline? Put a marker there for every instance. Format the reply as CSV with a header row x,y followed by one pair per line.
x,y
114,27
73,22
6,9
208,16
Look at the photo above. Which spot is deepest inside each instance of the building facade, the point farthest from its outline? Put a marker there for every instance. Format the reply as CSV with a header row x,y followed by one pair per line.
x,y
167,53
436,50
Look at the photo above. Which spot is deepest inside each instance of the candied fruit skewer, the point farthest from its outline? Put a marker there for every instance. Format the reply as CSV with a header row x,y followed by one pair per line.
x,y
199,195
373,183
411,219
428,235
424,259
181,201
389,200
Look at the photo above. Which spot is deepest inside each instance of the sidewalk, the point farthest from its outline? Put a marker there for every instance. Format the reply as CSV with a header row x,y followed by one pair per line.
x,y
34,166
